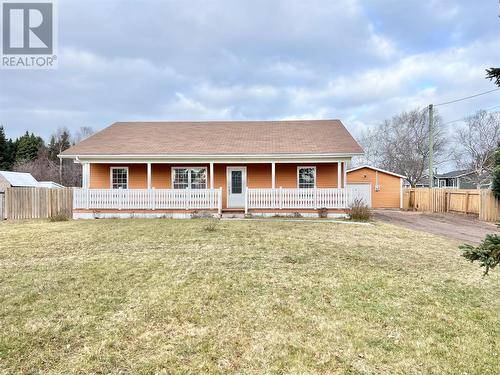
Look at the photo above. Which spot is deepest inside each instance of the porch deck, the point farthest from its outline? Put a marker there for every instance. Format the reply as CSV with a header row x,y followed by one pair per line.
x,y
270,200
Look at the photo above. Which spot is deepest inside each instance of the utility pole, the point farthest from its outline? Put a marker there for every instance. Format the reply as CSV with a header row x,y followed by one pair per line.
x,y
431,145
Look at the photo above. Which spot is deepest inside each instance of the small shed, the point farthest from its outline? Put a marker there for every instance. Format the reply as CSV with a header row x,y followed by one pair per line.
x,y
49,185
16,179
385,188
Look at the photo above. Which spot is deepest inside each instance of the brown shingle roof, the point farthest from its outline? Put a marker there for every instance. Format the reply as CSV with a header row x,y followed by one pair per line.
x,y
219,138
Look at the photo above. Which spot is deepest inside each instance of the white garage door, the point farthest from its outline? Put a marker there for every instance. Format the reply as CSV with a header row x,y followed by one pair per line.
x,y
362,191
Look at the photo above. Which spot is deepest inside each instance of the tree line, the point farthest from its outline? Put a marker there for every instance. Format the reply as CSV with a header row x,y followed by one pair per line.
x,y
401,144
30,153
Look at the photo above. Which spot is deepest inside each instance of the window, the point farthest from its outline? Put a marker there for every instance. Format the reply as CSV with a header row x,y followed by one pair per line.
x,y
189,178
119,178
236,182
306,177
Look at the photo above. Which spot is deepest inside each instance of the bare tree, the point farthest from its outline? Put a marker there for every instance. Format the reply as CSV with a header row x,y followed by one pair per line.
x,y
368,139
42,167
82,133
59,141
401,144
476,143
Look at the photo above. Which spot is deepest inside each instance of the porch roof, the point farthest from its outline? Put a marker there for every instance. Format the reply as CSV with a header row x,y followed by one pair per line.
x,y
305,137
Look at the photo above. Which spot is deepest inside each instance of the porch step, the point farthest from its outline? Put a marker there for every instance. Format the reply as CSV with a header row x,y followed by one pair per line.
x,y
233,213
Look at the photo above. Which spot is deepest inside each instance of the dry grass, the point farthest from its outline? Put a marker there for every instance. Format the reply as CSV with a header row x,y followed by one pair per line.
x,y
146,296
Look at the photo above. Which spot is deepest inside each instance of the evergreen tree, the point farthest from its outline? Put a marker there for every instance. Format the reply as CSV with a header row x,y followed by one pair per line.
x,y
495,186
3,150
494,75
27,147
59,141
10,157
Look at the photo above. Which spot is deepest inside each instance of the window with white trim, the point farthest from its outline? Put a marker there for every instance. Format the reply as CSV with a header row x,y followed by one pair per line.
x,y
189,178
119,178
306,177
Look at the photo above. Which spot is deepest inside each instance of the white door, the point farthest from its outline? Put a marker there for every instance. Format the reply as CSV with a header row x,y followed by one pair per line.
x,y
361,191
236,186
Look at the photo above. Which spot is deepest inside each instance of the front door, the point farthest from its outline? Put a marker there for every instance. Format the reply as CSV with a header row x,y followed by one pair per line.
x,y
236,186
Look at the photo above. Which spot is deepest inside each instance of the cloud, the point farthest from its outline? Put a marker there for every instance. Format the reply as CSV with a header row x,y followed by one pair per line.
x,y
358,61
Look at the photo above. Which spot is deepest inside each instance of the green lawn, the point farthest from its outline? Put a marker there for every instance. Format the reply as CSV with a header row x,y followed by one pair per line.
x,y
169,296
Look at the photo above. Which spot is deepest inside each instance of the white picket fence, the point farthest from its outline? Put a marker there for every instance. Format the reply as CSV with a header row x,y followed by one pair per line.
x,y
148,199
211,199
282,198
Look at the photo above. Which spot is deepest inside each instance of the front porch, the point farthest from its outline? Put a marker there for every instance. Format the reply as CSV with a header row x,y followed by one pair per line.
x,y
182,203
179,190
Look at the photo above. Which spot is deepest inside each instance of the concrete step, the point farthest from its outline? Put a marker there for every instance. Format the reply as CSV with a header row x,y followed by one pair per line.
x,y
233,214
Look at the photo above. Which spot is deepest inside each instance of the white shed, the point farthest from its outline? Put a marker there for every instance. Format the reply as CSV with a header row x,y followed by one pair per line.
x,y
16,179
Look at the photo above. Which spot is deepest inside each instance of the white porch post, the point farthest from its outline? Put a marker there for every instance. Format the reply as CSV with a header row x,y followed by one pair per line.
x,y
149,175
211,175
339,176
345,174
85,175
273,174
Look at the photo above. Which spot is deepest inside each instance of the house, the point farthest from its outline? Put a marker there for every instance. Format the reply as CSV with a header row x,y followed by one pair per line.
x,y
173,169
384,188
457,179
16,179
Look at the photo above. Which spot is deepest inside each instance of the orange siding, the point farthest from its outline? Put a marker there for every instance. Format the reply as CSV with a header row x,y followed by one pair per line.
x,y
258,176
161,176
220,181
390,187
99,176
326,175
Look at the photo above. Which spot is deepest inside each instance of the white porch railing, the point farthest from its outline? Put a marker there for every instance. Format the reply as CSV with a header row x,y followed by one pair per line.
x,y
298,198
148,199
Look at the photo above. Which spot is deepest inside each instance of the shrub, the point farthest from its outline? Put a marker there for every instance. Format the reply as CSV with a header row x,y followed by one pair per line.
x,y
201,215
487,253
211,225
323,212
63,215
359,210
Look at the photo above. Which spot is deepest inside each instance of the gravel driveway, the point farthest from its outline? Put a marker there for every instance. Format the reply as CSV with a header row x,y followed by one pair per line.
x,y
459,227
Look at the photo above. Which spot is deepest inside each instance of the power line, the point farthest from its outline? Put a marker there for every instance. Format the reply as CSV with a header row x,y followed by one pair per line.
x,y
467,97
465,118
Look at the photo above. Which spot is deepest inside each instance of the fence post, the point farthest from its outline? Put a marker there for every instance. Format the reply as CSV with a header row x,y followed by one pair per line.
x,y
315,198
7,202
280,198
87,198
120,200
153,198
246,200
220,201
466,202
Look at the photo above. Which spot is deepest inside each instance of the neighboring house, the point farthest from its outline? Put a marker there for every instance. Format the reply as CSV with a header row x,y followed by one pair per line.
x,y
176,168
21,179
385,188
16,179
451,180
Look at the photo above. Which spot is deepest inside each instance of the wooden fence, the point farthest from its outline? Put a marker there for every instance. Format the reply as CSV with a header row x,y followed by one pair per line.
x,y
37,203
2,205
478,202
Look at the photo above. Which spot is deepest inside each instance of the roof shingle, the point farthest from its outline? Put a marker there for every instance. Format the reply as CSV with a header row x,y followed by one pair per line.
x,y
219,138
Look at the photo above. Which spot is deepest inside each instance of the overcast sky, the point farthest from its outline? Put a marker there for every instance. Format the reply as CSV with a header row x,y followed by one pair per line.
x,y
358,61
